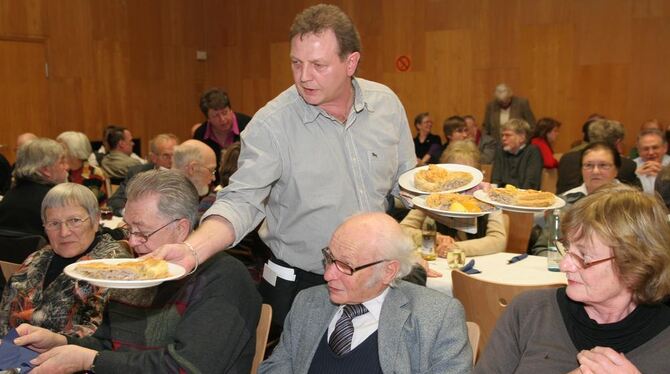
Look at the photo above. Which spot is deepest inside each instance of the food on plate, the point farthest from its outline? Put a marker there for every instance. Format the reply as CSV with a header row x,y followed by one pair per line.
x,y
511,195
149,268
435,178
453,202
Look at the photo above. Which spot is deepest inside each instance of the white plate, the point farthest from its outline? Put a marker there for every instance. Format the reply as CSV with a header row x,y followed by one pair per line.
x,y
420,201
175,271
406,180
483,196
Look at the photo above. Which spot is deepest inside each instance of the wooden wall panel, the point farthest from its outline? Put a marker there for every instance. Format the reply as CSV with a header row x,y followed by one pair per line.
x,y
133,62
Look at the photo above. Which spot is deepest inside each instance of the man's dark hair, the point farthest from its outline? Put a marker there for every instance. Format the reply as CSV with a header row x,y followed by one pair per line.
x,y
319,18
544,126
214,98
114,134
452,124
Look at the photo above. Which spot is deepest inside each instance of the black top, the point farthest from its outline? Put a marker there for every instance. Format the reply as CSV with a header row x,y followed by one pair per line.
x,y
58,263
20,209
199,134
640,326
362,359
5,175
432,145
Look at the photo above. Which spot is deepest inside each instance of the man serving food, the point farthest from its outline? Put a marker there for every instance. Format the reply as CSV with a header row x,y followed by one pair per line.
x,y
163,329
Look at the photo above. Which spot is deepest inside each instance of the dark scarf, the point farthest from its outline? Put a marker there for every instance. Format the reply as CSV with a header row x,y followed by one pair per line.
x,y
58,263
640,326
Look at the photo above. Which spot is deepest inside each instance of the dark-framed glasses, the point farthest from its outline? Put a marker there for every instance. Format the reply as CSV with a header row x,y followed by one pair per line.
x,y
143,238
70,223
342,266
585,263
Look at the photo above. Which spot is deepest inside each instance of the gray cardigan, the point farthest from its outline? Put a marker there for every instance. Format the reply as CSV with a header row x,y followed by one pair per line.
x,y
531,337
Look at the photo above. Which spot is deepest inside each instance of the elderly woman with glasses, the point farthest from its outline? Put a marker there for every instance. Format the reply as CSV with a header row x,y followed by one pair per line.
x,y
610,318
38,292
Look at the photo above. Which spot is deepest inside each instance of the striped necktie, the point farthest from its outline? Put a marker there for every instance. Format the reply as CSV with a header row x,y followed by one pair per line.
x,y
340,339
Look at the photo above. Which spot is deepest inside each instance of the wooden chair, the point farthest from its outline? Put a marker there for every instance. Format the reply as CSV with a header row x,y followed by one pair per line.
x,y
519,230
8,268
473,336
485,301
549,180
262,332
486,170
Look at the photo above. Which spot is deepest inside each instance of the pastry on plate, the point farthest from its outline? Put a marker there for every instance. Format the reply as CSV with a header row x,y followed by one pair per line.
x,y
435,179
511,195
149,268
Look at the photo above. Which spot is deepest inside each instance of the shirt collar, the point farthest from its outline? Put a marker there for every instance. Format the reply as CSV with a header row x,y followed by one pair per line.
x,y
374,306
235,130
311,112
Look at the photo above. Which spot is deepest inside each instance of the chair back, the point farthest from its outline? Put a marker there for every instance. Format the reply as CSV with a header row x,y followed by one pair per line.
x,y
473,336
485,301
15,246
8,268
518,234
486,170
549,180
262,332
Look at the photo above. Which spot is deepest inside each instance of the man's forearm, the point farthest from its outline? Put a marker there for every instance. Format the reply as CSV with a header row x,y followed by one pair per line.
x,y
214,234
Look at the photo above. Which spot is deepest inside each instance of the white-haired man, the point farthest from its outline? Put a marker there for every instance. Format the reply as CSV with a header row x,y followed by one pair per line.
x,y
504,107
365,319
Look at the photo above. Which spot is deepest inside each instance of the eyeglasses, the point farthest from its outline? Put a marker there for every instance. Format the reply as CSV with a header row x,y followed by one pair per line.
x,y
210,170
343,267
143,238
70,223
602,166
582,263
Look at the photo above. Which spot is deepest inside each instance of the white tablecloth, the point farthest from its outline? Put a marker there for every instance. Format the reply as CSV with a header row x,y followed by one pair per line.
x,y
494,268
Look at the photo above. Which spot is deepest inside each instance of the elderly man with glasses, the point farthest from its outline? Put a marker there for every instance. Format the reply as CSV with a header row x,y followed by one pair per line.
x,y
366,319
167,328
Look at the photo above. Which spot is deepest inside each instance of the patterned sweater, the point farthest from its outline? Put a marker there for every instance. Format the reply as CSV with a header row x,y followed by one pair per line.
x,y
92,177
67,306
202,323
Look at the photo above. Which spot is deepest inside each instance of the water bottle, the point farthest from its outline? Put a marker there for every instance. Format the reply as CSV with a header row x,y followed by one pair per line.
x,y
553,256
428,234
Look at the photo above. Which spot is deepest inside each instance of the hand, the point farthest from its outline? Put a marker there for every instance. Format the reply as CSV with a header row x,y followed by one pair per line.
x,y
429,272
604,360
37,338
649,168
65,359
444,243
175,253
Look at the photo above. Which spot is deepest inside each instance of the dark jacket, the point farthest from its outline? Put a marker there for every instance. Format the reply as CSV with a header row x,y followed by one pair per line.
x,y
570,172
20,209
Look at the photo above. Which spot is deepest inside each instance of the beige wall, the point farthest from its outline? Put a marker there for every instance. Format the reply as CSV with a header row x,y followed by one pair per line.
x,y
132,62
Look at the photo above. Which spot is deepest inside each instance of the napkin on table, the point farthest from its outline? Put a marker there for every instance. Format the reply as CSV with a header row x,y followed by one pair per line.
x,y
469,268
13,356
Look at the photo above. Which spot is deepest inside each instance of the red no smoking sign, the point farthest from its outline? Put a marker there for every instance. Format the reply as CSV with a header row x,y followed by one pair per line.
x,y
403,63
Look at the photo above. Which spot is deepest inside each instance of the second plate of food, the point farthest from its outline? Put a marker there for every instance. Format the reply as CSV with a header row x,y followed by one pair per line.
x,y
440,178
453,205
508,202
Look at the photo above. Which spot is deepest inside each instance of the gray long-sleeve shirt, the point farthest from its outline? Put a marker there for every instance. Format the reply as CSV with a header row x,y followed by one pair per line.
x,y
305,172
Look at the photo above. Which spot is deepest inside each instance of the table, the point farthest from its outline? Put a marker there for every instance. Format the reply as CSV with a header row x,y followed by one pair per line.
x,y
494,268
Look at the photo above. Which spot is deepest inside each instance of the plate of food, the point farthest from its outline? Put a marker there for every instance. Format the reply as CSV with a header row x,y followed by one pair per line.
x,y
453,205
440,178
520,200
125,272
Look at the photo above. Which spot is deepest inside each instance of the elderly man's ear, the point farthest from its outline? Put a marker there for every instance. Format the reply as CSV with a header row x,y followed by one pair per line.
x,y
183,229
390,269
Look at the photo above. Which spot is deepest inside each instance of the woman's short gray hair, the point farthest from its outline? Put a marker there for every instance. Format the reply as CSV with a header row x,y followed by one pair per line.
x,y
71,194
518,126
34,155
177,197
77,144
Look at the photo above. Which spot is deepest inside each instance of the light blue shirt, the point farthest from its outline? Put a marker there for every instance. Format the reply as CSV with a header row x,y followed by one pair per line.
x,y
305,172
648,181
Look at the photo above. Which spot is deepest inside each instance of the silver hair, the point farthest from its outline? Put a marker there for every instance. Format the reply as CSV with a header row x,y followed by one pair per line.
x,y
177,197
153,143
184,154
517,125
34,155
71,194
399,246
655,132
605,130
77,144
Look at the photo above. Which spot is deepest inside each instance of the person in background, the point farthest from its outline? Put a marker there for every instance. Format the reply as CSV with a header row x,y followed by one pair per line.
x,y
204,322
330,146
81,172
544,138
39,292
504,107
23,139
40,165
426,145
161,151
5,175
222,125
96,157
454,129
662,185
197,162
490,236
652,147
228,163
516,162
487,145
648,125
118,160
610,318
393,326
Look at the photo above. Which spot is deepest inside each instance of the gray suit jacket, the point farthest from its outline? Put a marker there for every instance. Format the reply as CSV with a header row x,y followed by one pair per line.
x,y
519,108
420,331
